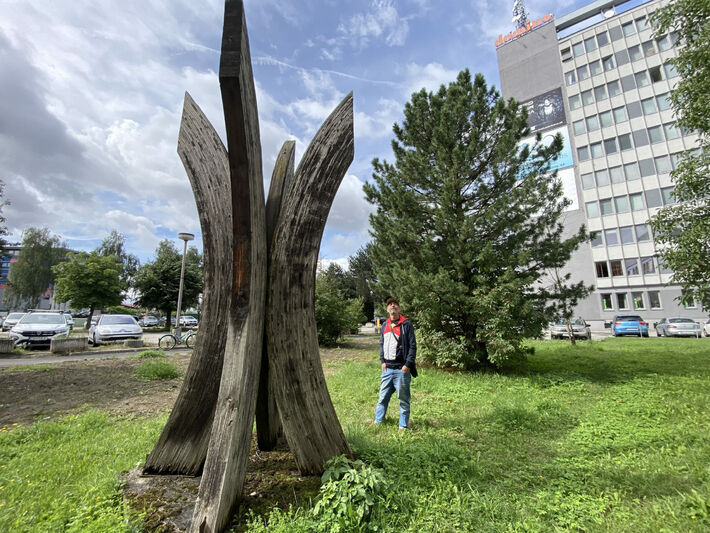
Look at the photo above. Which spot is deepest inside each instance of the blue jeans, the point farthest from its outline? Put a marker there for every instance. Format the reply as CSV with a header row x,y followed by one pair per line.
x,y
394,380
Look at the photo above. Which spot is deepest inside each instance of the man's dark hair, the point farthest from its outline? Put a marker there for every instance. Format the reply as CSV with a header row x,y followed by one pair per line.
x,y
392,301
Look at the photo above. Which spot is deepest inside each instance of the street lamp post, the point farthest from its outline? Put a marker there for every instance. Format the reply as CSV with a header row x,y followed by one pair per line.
x,y
184,237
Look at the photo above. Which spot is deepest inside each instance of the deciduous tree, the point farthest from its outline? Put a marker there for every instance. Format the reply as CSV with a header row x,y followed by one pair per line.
x,y
682,232
468,222
115,245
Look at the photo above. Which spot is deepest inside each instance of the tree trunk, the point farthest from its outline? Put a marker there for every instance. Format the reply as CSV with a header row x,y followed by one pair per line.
x,y
570,332
268,422
182,446
225,466
295,372
91,314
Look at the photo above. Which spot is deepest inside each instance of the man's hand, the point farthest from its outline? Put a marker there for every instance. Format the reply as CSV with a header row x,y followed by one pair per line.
x,y
384,367
405,369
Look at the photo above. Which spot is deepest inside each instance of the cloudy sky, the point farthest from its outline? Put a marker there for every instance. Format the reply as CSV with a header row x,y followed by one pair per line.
x,y
91,96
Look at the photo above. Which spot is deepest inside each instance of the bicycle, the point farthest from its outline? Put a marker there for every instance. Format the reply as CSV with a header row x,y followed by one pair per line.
x,y
170,340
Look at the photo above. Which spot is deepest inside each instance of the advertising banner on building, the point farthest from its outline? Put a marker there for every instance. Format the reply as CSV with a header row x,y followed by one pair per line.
x,y
546,110
565,157
569,187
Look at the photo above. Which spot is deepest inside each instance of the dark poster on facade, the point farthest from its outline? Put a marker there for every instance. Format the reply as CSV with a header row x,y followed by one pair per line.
x,y
546,110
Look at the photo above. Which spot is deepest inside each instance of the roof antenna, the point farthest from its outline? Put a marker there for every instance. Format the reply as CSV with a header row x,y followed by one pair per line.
x,y
520,16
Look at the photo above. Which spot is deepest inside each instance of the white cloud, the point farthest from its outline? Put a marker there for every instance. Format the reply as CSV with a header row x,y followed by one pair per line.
x,y
380,21
430,77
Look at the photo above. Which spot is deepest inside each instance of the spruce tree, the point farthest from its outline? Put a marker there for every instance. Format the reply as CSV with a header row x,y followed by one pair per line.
x,y
467,223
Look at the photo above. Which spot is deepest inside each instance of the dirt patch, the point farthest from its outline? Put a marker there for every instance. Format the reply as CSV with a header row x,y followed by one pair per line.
x,y
46,391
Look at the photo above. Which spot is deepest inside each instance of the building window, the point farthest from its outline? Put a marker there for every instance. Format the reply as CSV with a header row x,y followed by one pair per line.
x,y
664,43
587,97
596,149
583,153
655,73
633,109
637,298
632,267
592,123
610,236
614,88
622,204
635,53
602,39
596,239
602,269
671,131
606,208
592,209
595,67
653,198
640,139
622,57
646,166
600,93
587,181
649,48
602,177
636,201
641,79
574,102
642,24
648,105
610,146
606,302
655,134
590,44
688,300
566,54
668,196
577,49
642,234
570,78
628,83
616,174
619,114
670,70
621,301
647,265
628,29
663,164
616,269
606,119
663,102
631,171
608,63
582,72
625,142
615,33
626,234
578,127
654,299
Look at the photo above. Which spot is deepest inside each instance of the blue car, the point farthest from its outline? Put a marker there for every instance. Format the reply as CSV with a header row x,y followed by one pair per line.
x,y
629,325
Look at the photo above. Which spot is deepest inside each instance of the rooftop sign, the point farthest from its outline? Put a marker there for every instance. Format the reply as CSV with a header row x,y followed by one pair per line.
x,y
529,26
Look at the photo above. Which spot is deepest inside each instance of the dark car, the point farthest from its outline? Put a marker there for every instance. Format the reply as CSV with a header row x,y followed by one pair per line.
x,y
629,325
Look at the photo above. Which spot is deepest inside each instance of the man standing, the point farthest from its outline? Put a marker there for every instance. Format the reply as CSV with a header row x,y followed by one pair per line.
x,y
398,350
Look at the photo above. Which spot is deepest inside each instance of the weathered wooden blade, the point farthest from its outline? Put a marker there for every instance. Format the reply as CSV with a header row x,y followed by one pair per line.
x,y
225,467
182,446
268,422
295,372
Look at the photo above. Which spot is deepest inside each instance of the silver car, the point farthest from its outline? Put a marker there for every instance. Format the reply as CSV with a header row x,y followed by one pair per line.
x,y
706,329
114,328
580,330
677,327
11,320
40,327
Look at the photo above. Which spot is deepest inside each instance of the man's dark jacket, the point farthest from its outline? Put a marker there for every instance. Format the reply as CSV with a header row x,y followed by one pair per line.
x,y
406,346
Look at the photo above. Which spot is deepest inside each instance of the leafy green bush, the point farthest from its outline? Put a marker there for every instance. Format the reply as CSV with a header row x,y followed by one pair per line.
x,y
152,370
439,350
150,354
335,315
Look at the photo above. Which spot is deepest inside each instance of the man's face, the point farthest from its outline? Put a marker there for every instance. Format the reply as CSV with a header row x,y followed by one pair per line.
x,y
393,310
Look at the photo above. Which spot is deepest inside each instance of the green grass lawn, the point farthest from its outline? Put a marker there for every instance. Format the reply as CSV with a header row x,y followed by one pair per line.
x,y
606,436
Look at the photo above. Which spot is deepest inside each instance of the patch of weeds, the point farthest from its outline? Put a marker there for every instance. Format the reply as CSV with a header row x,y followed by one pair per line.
x,y
33,368
150,354
152,370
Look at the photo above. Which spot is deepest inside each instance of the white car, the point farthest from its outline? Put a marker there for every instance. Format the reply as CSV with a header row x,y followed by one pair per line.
x,y
678,326
187,320
114,328
148,321
580,330
706,329
11,321
38,327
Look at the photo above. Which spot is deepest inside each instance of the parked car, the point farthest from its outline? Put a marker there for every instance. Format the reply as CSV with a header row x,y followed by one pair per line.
x,y
40,327
629,325
580,330
84,313
706,328
677,326
148,321
187,320
69,318
11,320
114,328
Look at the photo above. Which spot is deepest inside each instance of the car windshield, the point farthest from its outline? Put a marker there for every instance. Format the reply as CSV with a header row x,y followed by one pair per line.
x,y
681,321
43,318
629,318
578,322
110,320
15,316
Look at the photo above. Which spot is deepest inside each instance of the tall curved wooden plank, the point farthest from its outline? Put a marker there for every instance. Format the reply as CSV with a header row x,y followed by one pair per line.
x,y
182,446
225,466
307,414
268,422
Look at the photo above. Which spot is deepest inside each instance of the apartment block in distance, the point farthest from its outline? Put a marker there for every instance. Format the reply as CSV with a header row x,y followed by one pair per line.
x,y
599,78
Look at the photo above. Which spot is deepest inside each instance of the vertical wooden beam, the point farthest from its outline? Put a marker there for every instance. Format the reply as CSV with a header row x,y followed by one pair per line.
x,y
268,422
182,446
225,467
311,426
